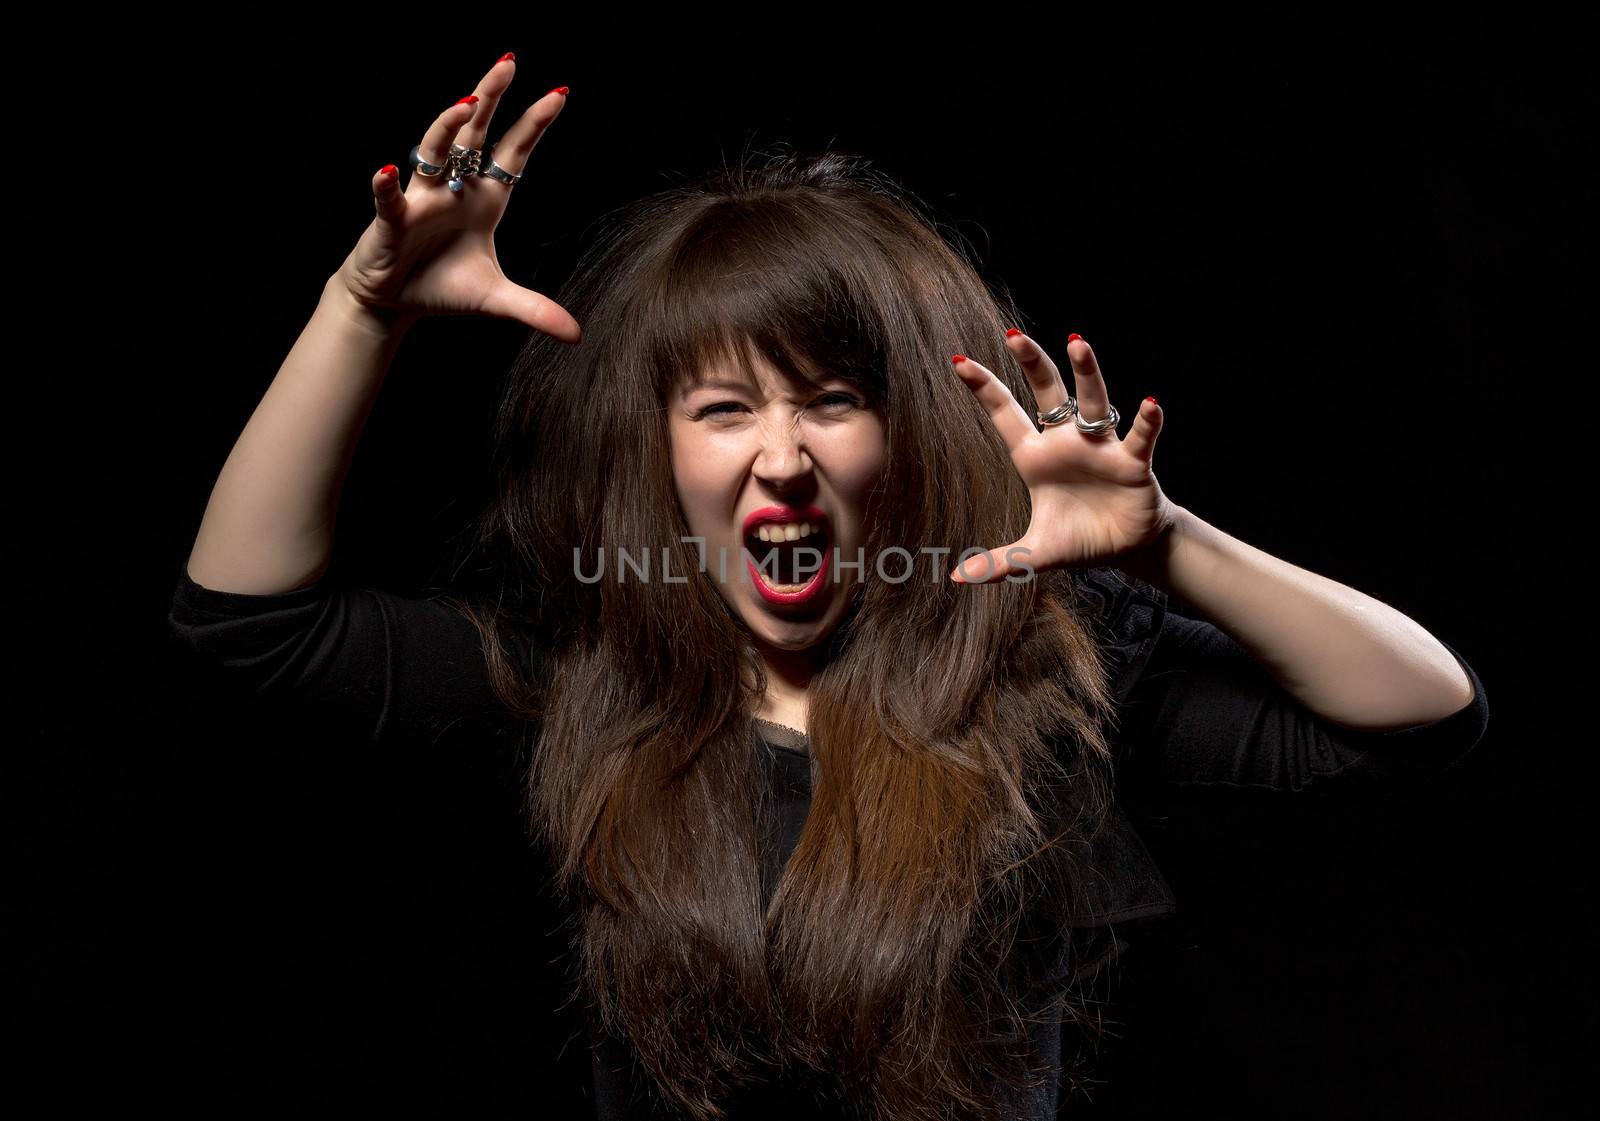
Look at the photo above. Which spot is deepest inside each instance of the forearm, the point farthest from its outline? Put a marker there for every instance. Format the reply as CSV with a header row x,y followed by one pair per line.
x,y
1349,658
268,527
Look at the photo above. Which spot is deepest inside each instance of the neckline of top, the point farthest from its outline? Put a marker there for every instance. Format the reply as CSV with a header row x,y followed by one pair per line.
x,y
782,736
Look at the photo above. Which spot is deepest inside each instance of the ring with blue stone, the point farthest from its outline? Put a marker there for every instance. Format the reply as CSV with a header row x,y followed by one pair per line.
x,y
463,162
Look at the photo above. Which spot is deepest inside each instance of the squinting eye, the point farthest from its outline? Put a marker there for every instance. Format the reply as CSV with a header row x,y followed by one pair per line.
x,y
831,400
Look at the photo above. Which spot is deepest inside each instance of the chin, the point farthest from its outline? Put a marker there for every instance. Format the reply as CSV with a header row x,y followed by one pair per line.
x,y
797,633
795,636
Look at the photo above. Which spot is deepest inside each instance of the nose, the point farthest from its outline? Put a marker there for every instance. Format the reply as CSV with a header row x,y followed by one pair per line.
x,y
782,459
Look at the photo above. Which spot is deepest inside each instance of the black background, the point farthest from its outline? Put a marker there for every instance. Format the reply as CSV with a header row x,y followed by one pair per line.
x,y
1330,268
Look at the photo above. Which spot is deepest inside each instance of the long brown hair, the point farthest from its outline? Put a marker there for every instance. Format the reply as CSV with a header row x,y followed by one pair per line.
x,y
955,731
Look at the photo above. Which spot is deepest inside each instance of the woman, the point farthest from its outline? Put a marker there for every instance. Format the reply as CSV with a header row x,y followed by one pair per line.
x,y
729,513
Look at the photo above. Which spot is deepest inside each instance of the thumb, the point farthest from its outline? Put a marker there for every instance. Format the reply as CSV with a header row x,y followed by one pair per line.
x,y
995,565
387,197
512,301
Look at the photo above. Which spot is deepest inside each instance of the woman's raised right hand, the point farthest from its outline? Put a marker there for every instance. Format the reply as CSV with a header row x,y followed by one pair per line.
x,y
430,250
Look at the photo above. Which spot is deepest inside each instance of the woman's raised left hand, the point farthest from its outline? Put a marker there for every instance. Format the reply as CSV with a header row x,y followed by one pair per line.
x,y
1095,498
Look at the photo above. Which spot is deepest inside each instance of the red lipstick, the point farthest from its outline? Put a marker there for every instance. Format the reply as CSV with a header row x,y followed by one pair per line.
x,y
787,515
783,515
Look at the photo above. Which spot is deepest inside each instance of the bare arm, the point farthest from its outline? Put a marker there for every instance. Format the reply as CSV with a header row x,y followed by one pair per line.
x,y
1349,658
268,527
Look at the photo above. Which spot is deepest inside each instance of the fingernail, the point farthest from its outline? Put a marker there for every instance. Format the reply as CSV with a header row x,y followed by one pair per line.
x,y
958,358
1074,336
1012,333
562,90
505,56
388,169
1152,399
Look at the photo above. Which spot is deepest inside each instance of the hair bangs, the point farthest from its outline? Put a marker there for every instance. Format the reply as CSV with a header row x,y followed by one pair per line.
x,y
733,297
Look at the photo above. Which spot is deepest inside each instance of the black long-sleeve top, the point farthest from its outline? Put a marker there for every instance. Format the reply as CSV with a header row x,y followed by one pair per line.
x,y
1196,710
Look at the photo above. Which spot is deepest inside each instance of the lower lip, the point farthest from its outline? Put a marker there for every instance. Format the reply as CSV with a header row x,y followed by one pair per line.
x,y
806,592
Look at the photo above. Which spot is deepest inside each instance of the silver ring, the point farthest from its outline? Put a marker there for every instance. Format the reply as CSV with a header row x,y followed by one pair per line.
x,y
1060,413
423,166
495,171
1107,423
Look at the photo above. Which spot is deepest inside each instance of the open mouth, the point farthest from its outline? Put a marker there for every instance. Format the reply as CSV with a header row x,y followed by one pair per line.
x,y
788,555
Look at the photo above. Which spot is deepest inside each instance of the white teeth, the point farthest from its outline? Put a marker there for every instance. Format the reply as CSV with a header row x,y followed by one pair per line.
x,y
791,531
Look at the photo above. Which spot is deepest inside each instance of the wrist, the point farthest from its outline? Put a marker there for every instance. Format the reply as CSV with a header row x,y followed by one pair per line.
x,y
381,325
1153,561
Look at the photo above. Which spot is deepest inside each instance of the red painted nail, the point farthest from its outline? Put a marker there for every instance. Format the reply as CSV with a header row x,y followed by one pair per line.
x,y
958,358
1071,337
1012,333
470,99
562,90
505,56
388,169
1152,399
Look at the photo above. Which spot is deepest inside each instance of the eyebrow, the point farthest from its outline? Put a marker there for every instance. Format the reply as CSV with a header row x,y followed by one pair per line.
x,y
716,383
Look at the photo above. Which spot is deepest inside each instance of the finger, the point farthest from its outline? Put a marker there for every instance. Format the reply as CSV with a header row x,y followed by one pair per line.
x,y
1141,438
1008,416
1094,403
994,565
435,146
512,301
387,197
491,88
1049,390
516,146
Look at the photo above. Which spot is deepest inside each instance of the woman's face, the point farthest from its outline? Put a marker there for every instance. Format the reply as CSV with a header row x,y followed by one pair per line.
x,y
780,455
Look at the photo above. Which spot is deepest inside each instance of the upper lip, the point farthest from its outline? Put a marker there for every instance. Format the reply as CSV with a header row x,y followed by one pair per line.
x,y
783,515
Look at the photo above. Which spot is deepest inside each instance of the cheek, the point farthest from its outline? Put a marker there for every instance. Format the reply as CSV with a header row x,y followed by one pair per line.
x,y
859,455
701,475
859,470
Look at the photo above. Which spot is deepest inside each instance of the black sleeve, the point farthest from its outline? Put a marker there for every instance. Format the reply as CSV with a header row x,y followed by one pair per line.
x,y
371,662
1203,712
